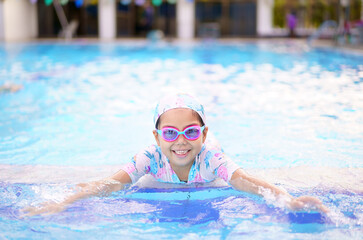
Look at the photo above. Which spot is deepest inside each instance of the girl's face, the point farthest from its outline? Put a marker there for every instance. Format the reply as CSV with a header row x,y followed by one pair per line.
x,y
182,152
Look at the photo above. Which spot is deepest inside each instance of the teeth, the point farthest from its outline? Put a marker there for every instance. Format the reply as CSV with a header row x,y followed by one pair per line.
x,y
181,152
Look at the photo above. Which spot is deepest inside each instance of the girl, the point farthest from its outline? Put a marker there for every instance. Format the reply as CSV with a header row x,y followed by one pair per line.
x,y
182,155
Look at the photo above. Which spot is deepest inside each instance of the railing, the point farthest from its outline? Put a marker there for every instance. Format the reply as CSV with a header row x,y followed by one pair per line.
x,y
68,29
322,29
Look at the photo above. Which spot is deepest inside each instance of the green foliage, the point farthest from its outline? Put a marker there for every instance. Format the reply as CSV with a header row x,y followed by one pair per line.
x,y
314,12
355,10
317,13
279,13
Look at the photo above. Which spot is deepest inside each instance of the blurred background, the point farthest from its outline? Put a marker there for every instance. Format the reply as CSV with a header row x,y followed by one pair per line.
x,y
180,19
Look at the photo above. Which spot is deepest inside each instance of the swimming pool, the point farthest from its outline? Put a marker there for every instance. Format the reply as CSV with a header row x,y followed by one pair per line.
x,y
285,112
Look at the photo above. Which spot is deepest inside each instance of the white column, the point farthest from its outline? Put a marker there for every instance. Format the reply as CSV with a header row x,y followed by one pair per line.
x,y
2,37
107,19
264,17
185,15
20,20
33,21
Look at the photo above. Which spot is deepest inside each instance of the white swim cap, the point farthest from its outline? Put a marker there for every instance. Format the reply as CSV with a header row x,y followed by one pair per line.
x,y
180,100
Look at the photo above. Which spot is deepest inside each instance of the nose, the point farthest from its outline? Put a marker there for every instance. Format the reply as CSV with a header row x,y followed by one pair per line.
x,y
181,139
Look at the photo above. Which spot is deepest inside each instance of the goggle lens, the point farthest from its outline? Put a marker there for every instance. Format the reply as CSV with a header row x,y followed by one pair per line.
x,y
169,134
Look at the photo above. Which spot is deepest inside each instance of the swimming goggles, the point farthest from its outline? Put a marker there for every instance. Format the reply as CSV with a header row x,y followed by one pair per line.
x,y
171,134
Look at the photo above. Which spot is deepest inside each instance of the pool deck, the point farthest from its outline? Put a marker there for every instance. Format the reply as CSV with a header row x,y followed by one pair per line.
x,y
356,49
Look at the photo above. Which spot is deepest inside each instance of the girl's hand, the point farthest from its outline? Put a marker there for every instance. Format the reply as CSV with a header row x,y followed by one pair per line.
x,y
307,203
83,190
45,209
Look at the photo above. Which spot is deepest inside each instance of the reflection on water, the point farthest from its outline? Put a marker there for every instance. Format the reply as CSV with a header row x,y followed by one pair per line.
x,y
267,108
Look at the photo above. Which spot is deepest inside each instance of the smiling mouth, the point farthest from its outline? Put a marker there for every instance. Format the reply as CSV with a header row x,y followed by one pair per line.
x,y
181,153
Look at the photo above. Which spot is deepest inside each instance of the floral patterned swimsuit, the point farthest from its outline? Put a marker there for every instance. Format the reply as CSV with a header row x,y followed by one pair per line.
x,y
209,164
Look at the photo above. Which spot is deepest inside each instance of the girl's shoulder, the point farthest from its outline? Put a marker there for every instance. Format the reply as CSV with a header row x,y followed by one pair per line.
x,y
211,144
211,151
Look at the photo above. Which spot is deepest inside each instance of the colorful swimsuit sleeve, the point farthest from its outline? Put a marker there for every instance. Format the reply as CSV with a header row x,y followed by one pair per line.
x,y
151,161
224,166
214,163
140,164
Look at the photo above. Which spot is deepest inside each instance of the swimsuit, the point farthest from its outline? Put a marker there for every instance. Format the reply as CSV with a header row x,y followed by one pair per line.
x,y
209,164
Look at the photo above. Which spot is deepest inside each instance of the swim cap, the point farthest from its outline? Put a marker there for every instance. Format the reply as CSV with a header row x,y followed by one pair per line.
x,y
179,100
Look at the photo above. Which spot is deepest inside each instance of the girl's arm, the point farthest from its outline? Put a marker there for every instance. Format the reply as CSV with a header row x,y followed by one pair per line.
x,y
241,181
103,187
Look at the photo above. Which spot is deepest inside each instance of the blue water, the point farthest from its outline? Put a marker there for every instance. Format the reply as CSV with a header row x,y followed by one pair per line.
x,y
283,111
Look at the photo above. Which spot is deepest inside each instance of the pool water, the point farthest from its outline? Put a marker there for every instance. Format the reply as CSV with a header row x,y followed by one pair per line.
x,y
285,112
